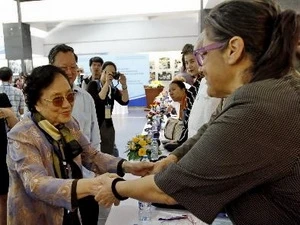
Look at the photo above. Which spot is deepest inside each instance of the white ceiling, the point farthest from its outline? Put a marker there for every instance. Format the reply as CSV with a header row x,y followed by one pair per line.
x,y
48,14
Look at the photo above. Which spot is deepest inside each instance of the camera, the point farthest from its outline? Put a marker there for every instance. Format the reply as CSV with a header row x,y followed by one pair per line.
x,y
116,75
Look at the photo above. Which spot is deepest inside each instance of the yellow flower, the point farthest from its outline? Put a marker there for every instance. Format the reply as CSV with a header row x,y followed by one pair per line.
x,y
142,142
135,139
142,152
132,146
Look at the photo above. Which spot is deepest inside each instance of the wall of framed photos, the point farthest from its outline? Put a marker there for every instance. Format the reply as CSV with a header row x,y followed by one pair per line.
x,y
164,66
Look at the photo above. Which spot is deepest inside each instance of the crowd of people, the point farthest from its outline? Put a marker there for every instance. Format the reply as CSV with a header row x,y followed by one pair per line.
x,y
239,147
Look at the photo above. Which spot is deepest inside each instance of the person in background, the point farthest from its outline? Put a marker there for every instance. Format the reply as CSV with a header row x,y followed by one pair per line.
x,y
79,78
7,120
191,66
173,108
18,83
84,112
14,94
177,92
95,64
46,151
246,157
204,105
104,94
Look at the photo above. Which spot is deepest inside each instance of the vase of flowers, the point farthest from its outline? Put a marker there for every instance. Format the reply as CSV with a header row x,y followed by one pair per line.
x,y
152,90
139,146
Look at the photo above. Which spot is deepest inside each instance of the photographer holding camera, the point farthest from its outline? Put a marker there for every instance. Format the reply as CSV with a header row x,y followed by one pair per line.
x,y
104,93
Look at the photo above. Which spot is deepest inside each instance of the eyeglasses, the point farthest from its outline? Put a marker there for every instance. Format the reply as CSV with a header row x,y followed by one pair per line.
x,y
59,100
200,52
66,68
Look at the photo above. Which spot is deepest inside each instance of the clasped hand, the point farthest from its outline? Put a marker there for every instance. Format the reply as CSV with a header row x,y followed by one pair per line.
x,y
105,195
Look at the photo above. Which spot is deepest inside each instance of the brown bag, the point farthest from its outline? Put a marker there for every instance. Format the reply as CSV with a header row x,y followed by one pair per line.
x,y
173,129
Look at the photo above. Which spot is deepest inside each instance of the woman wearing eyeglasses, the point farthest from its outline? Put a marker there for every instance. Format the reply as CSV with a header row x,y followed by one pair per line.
x,y
247,159
46,152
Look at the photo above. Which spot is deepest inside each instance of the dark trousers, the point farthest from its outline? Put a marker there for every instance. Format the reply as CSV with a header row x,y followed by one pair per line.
x,y
107,133
89,210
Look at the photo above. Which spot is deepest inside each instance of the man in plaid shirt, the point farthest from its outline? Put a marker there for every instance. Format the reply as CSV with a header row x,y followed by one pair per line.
x,y
15,95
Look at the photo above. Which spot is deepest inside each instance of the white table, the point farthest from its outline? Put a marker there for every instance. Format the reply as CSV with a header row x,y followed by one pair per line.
x,y
127,214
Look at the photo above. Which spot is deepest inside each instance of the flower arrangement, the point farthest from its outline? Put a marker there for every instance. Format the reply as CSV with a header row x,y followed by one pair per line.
x,y
138,146
156,112
155,84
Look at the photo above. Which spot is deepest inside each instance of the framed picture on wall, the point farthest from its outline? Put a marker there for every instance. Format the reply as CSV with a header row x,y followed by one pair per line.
x,y
165,76
164,63
177,64
152,76
152,65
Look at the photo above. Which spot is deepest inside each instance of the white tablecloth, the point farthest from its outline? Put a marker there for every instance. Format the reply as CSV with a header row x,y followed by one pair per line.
x,y
127,214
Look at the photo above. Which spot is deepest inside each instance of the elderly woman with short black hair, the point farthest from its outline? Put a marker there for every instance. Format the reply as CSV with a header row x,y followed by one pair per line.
x,y
46,152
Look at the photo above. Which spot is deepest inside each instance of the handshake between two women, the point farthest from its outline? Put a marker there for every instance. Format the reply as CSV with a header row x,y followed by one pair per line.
x,y
112,189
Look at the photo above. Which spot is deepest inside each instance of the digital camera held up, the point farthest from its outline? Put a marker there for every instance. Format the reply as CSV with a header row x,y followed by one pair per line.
x,y
116,75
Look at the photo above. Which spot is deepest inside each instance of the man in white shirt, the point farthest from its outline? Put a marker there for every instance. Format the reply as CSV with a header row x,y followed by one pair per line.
x,y
84,112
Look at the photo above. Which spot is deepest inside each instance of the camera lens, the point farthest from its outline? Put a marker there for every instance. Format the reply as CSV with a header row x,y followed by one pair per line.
x,y
116,75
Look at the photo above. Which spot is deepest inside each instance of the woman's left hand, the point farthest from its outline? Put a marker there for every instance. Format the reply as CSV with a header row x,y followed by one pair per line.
x,y
122,79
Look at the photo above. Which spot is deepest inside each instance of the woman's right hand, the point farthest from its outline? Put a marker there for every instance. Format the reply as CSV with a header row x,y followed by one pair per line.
x,y
109,78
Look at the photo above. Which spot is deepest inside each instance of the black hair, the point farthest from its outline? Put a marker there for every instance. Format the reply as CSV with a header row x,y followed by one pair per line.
x,y
109,63
186,50
40,78
76,57
5,73
269,35
96,59
179,83
60,48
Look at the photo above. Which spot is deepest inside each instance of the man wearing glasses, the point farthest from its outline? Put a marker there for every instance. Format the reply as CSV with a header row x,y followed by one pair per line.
x,y
84,112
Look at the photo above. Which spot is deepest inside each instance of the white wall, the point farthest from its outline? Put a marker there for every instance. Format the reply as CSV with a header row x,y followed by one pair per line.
x,y
126,37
